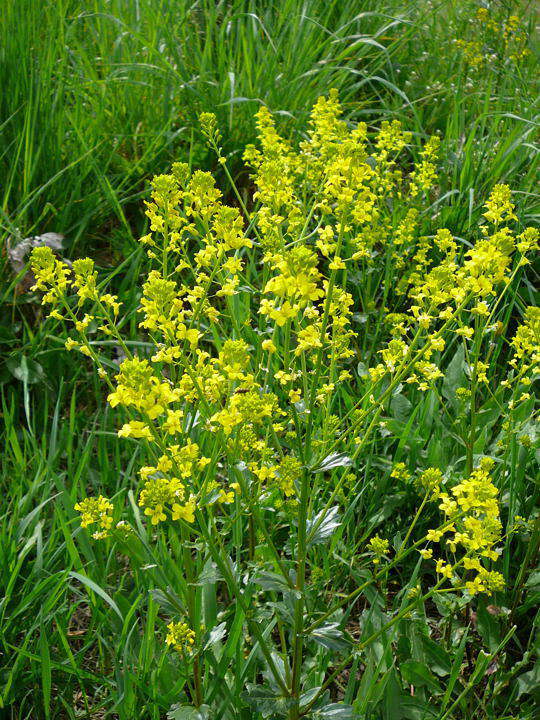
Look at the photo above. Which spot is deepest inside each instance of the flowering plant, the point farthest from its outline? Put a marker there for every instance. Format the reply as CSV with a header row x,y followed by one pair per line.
x,y
258,397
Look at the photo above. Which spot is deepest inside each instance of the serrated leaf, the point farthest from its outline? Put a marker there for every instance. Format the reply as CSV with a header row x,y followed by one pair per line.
x,y
266,701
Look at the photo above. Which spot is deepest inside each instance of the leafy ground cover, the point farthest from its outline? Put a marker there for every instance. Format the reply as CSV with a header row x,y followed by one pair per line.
x,y
298,579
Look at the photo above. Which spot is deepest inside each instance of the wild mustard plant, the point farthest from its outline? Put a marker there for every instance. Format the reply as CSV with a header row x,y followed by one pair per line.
x,y
250,314
494,36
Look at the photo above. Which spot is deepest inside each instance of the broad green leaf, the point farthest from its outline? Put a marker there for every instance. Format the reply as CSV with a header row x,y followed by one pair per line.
x,y
332,461
216,634
26,370
321,527
455,375
418,674
439,660
331,637
186,712
336,711
529,683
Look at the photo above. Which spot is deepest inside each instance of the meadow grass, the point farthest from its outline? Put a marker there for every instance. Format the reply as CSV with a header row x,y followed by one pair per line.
x,y
98,98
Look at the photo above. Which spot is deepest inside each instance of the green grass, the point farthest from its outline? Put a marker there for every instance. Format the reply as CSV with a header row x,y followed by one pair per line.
x,y
99,97
103,95
96,98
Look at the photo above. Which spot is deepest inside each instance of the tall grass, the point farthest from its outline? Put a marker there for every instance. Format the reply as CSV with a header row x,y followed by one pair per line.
x,y
98,96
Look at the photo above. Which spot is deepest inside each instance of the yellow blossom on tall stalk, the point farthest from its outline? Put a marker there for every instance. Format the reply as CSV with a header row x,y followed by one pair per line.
x,y
472,523
249,394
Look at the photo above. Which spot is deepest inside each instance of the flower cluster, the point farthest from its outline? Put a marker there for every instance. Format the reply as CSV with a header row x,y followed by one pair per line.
x,y
494,38
378,547
472,523
253,319
180,637
96,511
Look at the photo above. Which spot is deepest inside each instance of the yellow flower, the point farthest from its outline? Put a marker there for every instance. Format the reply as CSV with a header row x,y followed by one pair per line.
x,y
156,514
337,264
226,497
70,344
378,547
135,429
444,569
96,511
294,396
499,206
184,512
180,637
173,423
269,346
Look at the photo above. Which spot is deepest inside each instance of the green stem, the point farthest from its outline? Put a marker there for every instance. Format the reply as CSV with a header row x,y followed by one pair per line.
x,y
300,586
225,569
194,620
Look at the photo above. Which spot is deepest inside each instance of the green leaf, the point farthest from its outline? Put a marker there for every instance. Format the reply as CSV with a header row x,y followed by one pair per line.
x,y
488,626
308,696
389,505
418,674
99,591
209,575
332,461
400,407
187,712
456,669
45,671
533,581
438,658
336,711
392,698
330,636
323,525
7,336
455,375
26,370
216,634
529,683
169,601
271,581
266,701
